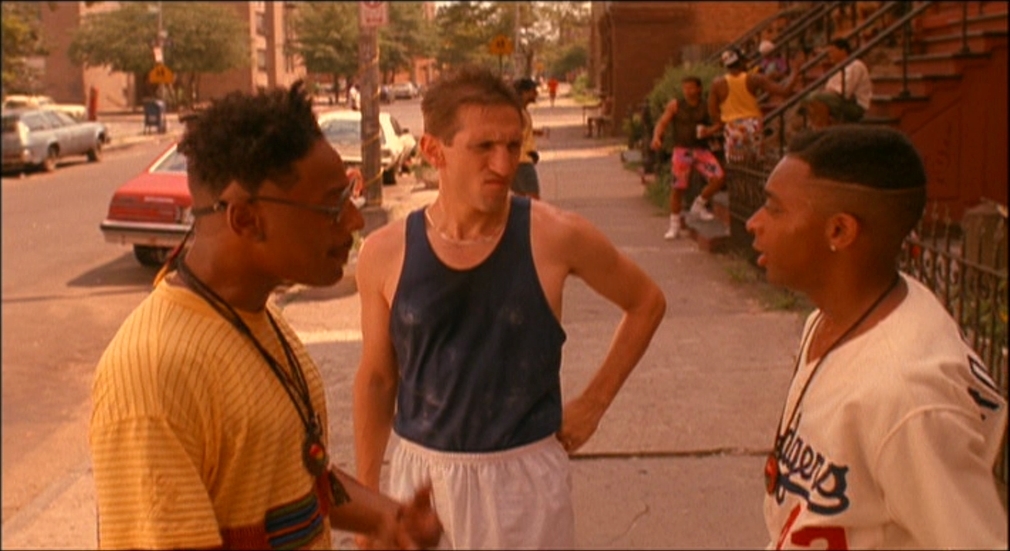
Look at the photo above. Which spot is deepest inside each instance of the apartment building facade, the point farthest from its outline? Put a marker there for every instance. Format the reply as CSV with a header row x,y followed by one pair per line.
x,y
267,24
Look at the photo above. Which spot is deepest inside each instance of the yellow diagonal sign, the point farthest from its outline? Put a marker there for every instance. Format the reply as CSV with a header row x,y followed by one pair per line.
x,y
500,45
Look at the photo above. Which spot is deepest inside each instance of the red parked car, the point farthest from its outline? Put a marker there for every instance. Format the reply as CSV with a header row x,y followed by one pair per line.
x,y
152,211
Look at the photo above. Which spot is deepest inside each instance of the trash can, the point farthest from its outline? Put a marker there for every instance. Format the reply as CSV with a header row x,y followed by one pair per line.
x,y
154,116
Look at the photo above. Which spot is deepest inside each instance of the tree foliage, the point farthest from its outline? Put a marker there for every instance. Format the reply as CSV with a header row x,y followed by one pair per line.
x,y
545,31
326,37
21,39
200,37
407,35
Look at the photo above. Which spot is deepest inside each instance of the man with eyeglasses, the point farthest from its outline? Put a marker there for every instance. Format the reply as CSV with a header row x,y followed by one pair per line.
x,y
209,426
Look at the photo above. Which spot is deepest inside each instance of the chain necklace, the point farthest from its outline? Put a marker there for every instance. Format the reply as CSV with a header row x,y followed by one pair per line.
x,y
772,473
314,455
463,242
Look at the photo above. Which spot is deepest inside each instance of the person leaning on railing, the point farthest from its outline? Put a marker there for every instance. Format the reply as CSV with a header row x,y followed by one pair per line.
x,y
846,95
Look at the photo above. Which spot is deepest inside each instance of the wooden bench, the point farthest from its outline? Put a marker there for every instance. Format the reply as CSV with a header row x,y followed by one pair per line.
x,y
597,117
597,124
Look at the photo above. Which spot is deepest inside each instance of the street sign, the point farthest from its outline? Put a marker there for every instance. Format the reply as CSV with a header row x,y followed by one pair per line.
x,y
372,14
161,75
500,45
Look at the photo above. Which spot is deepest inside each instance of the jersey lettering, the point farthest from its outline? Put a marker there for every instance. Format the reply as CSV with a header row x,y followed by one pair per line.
x,y
808,474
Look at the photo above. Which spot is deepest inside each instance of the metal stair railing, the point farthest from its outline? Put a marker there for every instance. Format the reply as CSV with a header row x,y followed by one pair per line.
x,y
882,11
803,15
903,23
794,37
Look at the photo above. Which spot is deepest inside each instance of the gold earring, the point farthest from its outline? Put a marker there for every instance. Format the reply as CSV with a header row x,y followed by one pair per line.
x,y
833,248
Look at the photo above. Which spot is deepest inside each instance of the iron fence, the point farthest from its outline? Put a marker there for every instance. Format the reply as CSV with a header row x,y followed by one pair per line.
x,y
972,287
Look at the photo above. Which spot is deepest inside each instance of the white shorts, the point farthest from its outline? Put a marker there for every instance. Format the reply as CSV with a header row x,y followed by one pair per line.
x,y
514,499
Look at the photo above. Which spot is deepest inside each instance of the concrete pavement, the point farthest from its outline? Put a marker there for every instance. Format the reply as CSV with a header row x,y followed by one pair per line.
x,y
677,461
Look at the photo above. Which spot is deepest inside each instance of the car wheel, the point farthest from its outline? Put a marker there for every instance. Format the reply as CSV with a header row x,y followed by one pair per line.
x,y
52,155
389,176
151,256
95,153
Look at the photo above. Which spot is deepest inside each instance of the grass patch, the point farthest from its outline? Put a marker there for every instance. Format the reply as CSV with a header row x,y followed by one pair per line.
x,y
743,273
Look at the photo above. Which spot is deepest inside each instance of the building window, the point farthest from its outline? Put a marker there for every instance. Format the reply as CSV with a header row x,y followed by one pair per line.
x,y
261,59
261,24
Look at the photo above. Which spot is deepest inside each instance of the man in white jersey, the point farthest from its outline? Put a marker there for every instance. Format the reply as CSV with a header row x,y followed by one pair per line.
x,y
892,424
209,421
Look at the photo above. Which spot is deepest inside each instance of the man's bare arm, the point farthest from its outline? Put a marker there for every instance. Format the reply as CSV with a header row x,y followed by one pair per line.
x,y
615,277
661,124
375,383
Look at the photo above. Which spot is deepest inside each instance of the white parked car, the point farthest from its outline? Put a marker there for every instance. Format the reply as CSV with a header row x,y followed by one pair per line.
x,y
343,131
17,101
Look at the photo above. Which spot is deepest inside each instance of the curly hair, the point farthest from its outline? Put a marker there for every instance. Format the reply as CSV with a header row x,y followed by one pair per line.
x,y
470,85
249,139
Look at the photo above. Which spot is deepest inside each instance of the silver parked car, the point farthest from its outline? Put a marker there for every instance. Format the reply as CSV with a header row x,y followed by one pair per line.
x,y
41,137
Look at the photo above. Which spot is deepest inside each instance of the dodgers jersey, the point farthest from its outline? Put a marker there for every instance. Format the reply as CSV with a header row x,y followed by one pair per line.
x,y
894,443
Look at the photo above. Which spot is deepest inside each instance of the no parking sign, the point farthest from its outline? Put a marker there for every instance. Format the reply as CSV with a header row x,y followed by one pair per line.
x,y
372,14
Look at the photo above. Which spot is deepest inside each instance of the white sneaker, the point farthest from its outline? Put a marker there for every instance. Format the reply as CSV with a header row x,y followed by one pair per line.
x,y
698,209
671,233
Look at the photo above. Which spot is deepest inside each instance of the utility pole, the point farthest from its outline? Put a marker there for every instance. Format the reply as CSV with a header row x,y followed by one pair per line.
x,y
518,50
370,16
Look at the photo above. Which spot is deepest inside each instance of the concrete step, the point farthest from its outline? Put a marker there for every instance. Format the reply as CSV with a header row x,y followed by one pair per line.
x,y
712,235
954,43
943,63
891,106
946,22
918,84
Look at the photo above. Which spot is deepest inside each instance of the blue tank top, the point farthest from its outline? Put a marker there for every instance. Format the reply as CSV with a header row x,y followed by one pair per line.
x,y
479,350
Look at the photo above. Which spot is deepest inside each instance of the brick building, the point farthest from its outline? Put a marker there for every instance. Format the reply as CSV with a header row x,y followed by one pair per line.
x,y
632,43
61,78
267,25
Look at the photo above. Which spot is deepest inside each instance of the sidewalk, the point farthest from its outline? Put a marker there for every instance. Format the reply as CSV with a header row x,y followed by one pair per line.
x,y
677,461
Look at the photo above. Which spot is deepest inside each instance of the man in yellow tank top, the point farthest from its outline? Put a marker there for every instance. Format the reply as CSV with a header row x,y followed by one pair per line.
x,y
734,107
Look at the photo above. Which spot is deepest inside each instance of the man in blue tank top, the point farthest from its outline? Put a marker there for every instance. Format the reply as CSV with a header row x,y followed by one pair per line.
x,y
461,303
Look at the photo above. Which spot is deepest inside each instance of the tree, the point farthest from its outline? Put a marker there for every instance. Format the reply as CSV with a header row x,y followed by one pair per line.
x,y
408,35
21,39
326,38
202,37
465,28
545,29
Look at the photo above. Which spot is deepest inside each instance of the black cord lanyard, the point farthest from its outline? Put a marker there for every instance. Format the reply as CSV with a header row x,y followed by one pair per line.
x,y
772,472
314,454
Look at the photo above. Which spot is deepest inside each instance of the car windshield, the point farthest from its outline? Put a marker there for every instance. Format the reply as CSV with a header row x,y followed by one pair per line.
x,y
173,162
342,131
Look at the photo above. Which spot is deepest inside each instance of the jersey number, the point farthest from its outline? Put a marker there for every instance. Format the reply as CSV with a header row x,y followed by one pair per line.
x,y
834,536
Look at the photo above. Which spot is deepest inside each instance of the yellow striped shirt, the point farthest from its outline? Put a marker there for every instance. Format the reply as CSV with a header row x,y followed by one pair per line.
x,y
194,441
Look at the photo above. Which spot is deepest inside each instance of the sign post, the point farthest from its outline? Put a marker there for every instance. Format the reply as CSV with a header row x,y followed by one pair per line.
x,y
371,15
161,74
500,46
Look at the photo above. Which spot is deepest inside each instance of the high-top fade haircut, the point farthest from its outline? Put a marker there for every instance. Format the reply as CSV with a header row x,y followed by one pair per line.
x,y
874,157
469,85
249,139
881,174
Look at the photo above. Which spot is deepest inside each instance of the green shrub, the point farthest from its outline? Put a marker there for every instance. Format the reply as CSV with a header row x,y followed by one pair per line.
x,y
580,87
